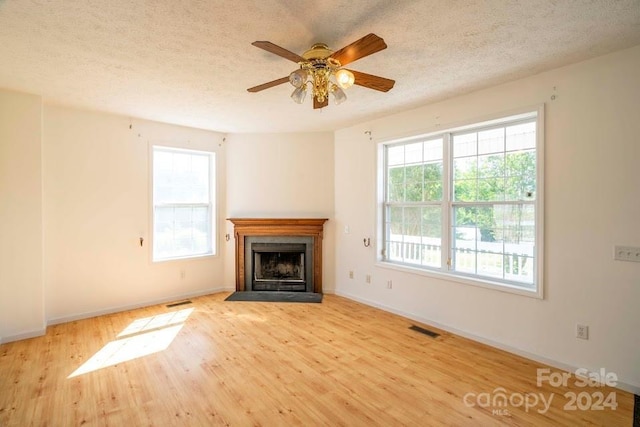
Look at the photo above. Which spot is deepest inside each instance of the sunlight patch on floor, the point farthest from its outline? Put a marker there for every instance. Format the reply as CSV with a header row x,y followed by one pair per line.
x,y
155,322
143,337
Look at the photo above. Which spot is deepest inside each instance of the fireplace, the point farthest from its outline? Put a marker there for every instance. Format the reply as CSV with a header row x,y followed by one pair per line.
x,y
278,254
278,263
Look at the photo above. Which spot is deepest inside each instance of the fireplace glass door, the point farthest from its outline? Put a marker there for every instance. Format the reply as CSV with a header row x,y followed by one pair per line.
x,y
279,267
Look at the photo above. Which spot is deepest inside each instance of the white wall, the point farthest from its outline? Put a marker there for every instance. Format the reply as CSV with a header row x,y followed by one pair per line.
x,y
97,205
592,203
21,285
282,176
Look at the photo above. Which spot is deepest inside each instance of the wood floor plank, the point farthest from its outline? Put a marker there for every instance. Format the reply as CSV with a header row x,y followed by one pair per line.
x,y
215,362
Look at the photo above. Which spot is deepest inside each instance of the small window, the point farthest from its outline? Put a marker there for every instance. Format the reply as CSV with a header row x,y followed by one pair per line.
x,y
183,203
467,203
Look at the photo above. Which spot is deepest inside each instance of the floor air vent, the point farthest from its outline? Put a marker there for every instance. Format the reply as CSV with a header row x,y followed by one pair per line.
x,y
175,304
424,331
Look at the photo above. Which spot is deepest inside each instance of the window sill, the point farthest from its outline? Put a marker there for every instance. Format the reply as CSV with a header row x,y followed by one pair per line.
x,y
482,283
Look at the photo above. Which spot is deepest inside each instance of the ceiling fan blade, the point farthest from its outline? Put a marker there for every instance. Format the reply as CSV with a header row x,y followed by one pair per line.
x,y
366,46
277,50
372,82
317,105
268,85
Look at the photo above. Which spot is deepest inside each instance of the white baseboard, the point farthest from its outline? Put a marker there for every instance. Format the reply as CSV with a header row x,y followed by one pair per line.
x,y
110,310
635,389
24,335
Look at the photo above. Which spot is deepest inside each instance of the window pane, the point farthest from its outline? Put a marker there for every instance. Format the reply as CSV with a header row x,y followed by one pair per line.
x,y
432,236
465,190
519,225
393,234
411,221
521,175
465,168
521,136
521,163
491,189
491,141
411,232
181,231
433,150
413,153
485,221
395,155
464,216
432,182
491,165
465,145
180,177
414,174
464,260
465,174
432,191
414,177
519,268
519,188
395,219
478,223
490,264
413,235
395,180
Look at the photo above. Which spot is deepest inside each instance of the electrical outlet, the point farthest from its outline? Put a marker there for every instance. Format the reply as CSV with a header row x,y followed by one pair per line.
x,y
389,284
368,278
626,253
582,332
350,274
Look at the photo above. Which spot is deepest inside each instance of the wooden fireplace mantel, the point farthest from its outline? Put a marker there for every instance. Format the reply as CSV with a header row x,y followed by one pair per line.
x,y
244,227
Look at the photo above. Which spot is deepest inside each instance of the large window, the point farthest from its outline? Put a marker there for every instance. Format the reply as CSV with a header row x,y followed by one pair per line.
x,y
467,203
183,203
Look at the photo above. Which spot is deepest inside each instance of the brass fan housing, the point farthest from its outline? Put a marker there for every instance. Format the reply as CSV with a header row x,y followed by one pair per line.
x,y
317,51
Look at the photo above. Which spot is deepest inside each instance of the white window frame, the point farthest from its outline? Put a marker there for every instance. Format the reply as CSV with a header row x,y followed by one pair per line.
x,y
443,272
211,204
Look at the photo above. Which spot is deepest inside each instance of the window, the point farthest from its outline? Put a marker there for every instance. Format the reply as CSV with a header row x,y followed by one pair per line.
x,y
183,208
466,202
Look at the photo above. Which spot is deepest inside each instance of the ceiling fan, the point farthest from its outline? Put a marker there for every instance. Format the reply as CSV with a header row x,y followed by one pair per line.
x,y
321,69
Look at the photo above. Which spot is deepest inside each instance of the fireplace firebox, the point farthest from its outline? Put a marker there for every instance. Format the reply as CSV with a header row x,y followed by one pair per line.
x,y
278,263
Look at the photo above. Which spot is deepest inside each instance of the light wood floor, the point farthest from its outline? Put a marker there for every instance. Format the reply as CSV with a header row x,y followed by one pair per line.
x,y
244,363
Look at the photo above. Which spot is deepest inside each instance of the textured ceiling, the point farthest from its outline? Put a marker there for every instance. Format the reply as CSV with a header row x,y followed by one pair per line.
x,y
190,62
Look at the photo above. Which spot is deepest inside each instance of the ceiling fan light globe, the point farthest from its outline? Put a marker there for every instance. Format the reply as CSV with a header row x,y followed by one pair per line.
x,y
338,95
298,78
345,78
299,94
